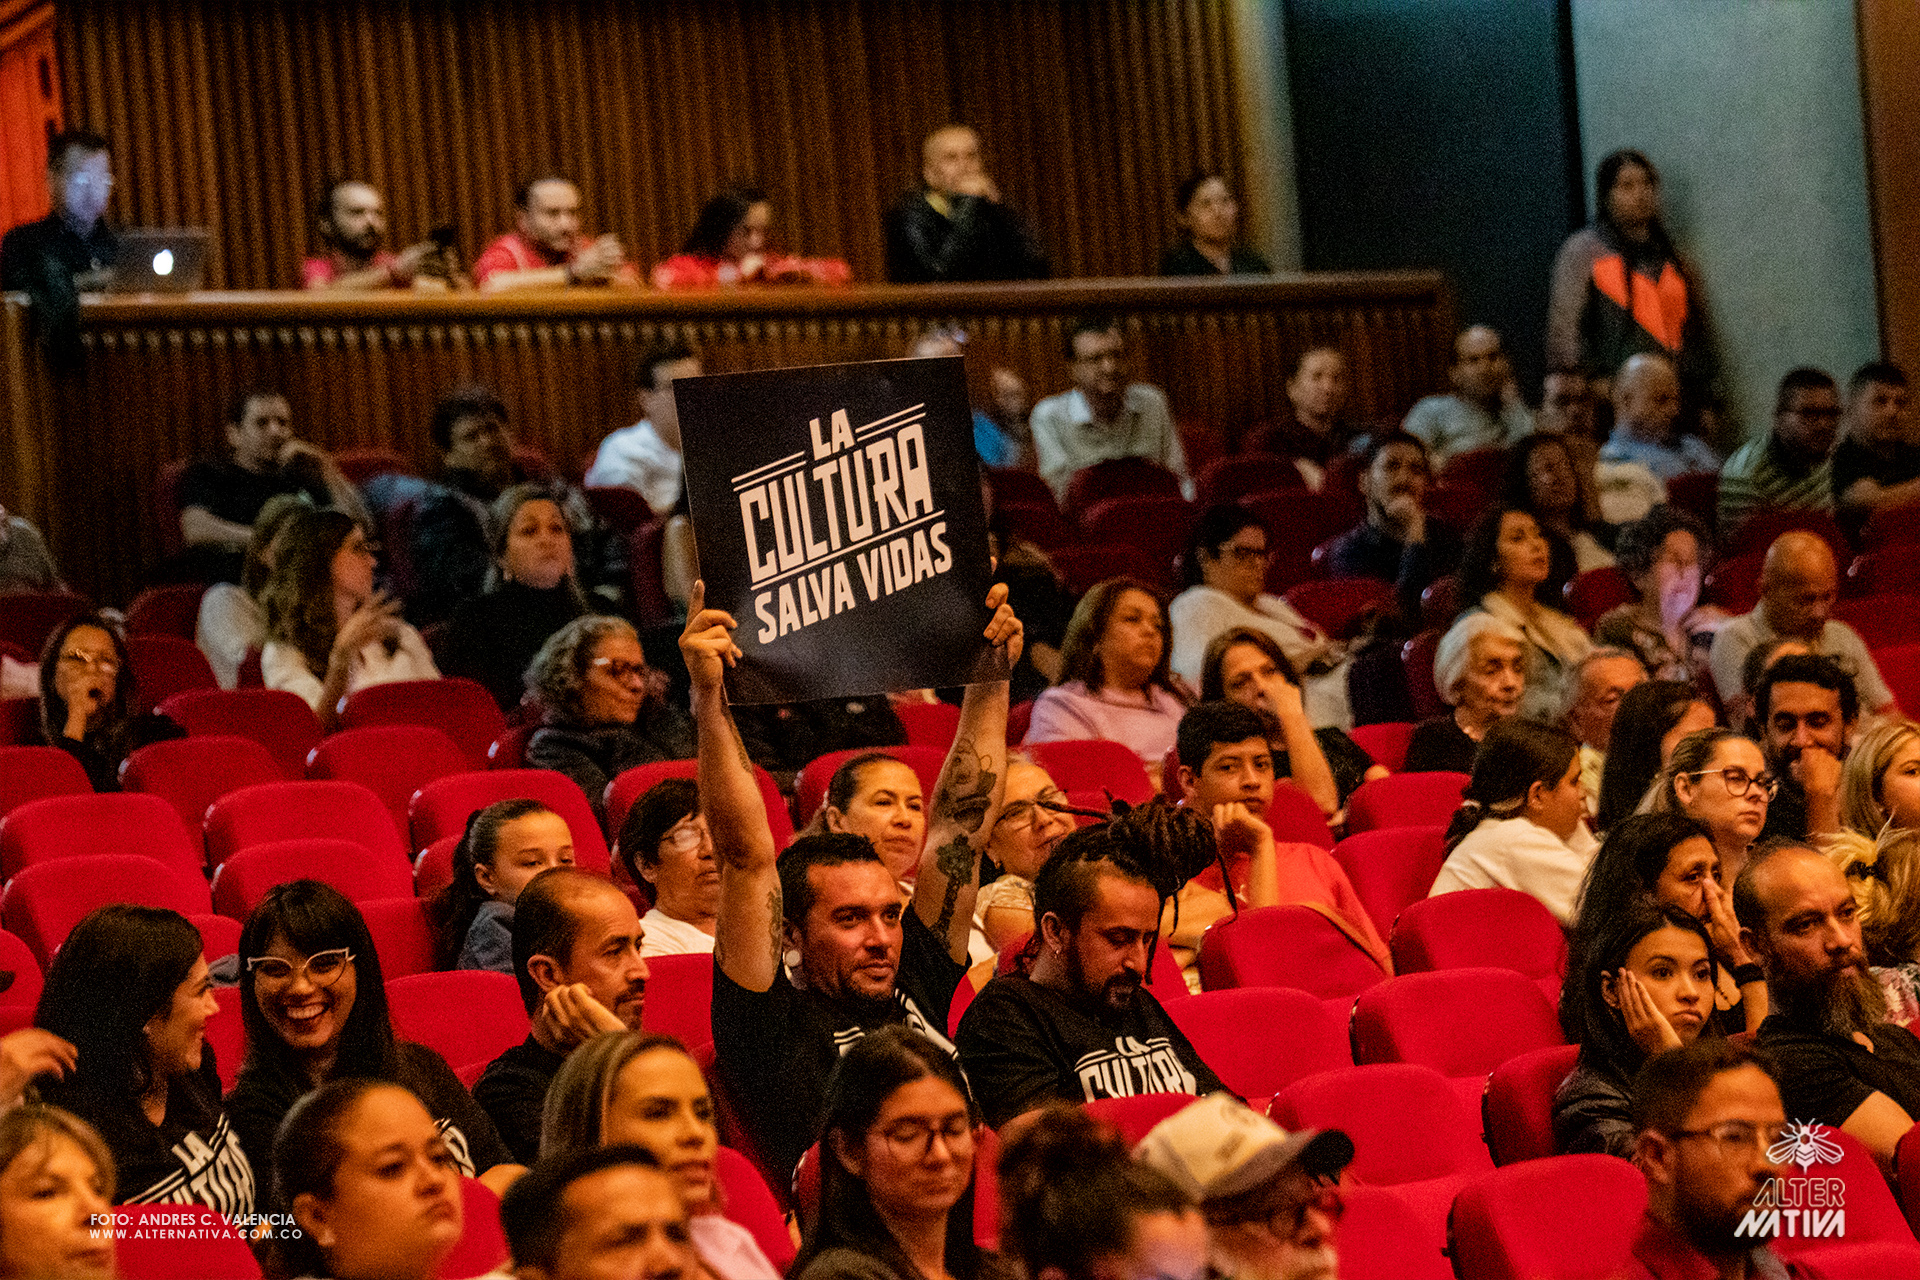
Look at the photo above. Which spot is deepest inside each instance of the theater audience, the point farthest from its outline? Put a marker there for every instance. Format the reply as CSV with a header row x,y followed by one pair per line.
x,y
1271,1198
629,1088
1646,422
1506,572
866,959
1880,782
1806,709
1759,660
731,244
1075,1206
329,633
1032,822
1315,428
1884,877
56,1177
1246,666
1720,780
1544,480
577,957
315,1009
373,1182
1480,668
603,711
1567,409
1026,1037
1226,568
1103,416
1001,434
1841,1063
1876,465
231,623
351,218
220,499
665,844
1521,824
505,845
1618,286
1593,692
85,692
547,248
1209,220
1650,722
140,1069
1645,986
1397,542
593,1214
1484,409
25,563
531,592
646,456
1114,678
1786,469
70,251
1709,1118
877,797
1665,555
953,226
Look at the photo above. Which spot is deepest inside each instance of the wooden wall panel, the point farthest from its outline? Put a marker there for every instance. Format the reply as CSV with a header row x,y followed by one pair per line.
x,y
232,114
1889,52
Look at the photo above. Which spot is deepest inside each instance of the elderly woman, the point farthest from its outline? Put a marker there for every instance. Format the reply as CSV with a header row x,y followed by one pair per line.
x,y
1506,571
1665,555
84,711
604,711
231,623
1480,668
730,245
531,592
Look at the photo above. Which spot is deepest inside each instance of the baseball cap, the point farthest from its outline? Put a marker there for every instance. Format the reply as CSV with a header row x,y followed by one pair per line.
x,y
1218,1148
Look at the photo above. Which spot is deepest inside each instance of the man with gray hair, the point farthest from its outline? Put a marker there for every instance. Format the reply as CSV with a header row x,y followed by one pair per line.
x,y
1589,698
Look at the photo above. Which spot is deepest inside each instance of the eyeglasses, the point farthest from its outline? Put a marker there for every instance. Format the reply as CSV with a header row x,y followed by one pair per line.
x,y
106,662
686,837
1738,783
1245,555
1737,1137
913,1139
323,968
620,670
1022,814
1288,1221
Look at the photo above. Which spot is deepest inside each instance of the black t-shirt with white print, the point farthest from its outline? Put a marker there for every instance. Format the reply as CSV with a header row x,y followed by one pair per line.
x,y
1023,1044
774,1049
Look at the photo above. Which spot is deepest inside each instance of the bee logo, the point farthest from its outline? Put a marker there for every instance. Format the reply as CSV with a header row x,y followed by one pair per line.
x,y
1804,1145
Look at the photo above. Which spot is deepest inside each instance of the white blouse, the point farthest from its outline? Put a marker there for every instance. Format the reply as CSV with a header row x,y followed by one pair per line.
x,y
282,667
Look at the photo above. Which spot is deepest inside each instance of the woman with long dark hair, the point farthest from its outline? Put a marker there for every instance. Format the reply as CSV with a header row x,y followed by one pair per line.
x,y
85,708
1506,571
1209,220
730,245
505,845
1114,679
1544,478
1650,722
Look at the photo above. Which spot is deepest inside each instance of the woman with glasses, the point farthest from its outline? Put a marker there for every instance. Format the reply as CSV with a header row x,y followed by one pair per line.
x,y
896,1169
1032,821
642,1089
1226,575
84,704
665,844
329,633
137,1066
1721,781
506,844
315,1009
603,709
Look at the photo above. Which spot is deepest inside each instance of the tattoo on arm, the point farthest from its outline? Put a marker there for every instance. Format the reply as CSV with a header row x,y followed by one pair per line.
x,y
965,789
958,863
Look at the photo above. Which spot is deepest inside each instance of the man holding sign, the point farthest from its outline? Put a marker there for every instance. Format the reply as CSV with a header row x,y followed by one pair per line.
x,y
865,959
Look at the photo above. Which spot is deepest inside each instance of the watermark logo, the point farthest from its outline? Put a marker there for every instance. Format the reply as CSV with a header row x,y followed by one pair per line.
x,y
1805,1206
1805,1145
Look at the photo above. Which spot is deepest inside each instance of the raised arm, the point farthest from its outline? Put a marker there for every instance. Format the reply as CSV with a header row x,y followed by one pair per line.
x,y
966,800
748,938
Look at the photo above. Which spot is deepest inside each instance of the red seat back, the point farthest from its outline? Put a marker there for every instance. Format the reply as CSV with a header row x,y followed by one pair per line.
x,y
1594,592
1872,1214
1134,1117
43,902
1698,493
27,618
151,1245
1383,1238
277,720
1117,477
402,935
227,1034
1440,603
1156,526
1392,868
1900,668
1296,816
364,463
680,997
442,807
630,784
461,709
391,760
810,788
1565,1217
1757,532
19,721
1297,521
929,724
467,1016
1010,485
1480,469
1379,1107
1220,1024
1482,928
1094,764
162,666
621,509
1416,663
1883,621
433,868
752,1205
69,826
245,877
1037,522
1287,946
1235,476
1387,743
1516,1112
1734,584
35,773
1338,605
509,750
1460,1022
1084,564
1019,717
275,811
18,959
172,610
191,773
482,1249
1405,800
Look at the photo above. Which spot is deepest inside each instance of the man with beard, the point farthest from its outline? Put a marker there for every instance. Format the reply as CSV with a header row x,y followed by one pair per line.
x,y
1080,1025
1397,542
352,221
1707,1117
576,954
1841,1063
1805,706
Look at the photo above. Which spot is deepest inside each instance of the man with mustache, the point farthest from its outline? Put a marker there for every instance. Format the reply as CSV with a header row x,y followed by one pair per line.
x,y
1841,1063
1805,707
1397,542
1080,1025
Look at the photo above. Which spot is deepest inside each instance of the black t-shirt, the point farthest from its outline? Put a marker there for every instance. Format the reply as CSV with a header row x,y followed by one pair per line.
x,y
1440,745
1787,811
1346,759
513,1093
1825,1078
1854,462
193,1156
1023,1044
775,1048
234,494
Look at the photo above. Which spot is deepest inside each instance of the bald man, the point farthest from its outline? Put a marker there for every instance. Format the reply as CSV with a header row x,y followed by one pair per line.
x,y
1798,585
953,227
1646,415
1484,409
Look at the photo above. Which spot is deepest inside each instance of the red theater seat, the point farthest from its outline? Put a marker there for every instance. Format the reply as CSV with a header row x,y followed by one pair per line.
x,y
166,611
1233,477
1460,1022
1094,764
1236,1033
1114,478
277,720
19,721
1883,621
1339,604
246,876
929,724
509,750
275,811
391,760
1593,593
151,1244
752,1205
1516,1112
191,773
1387,742
1155,526
27,618
1392,868
1562,1218
1405,800
62,827
43,902
442,807
1296,816
402,935
16,958
680,997
36,773
461,709
483,1243
162,666
1872,1214
1287,946
1416,665
433,868
1900,667
633,783
1134,1117
1482,928
467,1016
1382,1238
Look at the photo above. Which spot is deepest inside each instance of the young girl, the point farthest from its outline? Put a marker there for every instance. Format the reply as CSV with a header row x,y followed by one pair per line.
x,y
506,845
1520,825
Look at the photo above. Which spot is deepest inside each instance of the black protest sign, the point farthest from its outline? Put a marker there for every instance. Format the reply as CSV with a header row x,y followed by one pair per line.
x,y
838,517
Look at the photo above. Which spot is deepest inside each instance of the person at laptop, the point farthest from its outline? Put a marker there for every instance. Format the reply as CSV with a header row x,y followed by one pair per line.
x,y
352,222
71,250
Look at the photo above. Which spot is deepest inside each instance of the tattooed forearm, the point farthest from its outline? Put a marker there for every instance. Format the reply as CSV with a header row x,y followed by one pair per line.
x,y
965,790
958,862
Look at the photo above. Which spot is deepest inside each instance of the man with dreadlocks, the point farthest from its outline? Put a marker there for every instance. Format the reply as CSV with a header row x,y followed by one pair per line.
x,y
1080,1025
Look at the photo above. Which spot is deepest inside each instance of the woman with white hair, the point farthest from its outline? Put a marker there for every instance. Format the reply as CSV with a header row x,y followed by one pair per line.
x,y
1481,669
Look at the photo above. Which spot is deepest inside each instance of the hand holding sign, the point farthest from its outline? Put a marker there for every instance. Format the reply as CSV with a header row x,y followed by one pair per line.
x,y
707,644
1004,632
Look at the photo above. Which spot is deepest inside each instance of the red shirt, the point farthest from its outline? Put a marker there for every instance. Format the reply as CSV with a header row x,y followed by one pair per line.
x,y
319,272
514,252
697,271
1307,874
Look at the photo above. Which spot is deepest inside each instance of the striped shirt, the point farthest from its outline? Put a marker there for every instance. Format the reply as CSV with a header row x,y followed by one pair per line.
x,y
1761,475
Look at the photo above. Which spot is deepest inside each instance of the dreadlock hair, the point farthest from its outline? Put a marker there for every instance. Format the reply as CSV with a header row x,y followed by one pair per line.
x,y
1157,843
